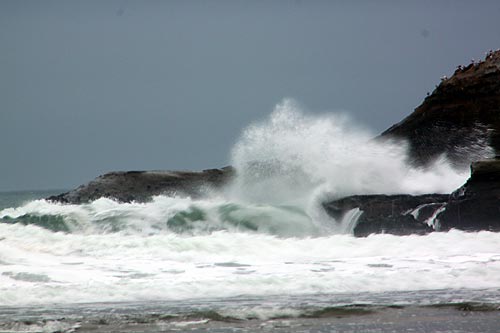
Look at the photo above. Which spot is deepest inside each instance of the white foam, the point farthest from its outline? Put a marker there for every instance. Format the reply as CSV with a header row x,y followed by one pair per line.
x,y
432,221
119,267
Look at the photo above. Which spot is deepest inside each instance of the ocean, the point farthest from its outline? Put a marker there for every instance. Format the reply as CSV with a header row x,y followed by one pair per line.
x,y
258,251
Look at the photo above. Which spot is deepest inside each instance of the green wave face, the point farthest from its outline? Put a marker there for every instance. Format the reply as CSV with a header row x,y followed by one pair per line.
x,y
54,223
192,218
274,220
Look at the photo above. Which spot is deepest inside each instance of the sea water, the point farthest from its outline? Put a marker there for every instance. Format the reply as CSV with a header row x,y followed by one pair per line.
x,y
259,248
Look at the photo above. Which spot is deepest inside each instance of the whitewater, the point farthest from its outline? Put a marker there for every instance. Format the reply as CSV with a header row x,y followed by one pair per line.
x,y
265,235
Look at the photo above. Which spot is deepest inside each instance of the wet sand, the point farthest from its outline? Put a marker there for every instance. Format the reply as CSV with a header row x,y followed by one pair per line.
x,y
446,318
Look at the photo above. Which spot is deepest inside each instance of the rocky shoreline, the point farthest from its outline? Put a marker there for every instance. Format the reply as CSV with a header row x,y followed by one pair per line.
x,y
459,120
473,207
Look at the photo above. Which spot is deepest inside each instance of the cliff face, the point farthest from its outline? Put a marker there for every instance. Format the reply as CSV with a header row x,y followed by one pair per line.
x,y
460,119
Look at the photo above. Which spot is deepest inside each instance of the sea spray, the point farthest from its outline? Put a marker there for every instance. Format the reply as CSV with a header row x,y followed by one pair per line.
x,y
288,156
303,160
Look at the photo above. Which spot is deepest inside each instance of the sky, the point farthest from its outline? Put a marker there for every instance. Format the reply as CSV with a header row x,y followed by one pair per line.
x,y
88,87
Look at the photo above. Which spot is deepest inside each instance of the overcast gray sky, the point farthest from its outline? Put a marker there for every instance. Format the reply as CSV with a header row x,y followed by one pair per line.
x,y
88,87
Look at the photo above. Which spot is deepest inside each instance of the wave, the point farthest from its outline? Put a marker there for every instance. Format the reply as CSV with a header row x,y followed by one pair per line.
x,y
286,167
164,215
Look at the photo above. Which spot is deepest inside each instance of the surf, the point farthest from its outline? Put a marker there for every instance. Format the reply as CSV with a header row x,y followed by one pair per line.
x,y
265,233
286,166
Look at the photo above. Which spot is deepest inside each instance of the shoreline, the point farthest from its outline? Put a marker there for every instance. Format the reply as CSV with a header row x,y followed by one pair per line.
x,y
450,317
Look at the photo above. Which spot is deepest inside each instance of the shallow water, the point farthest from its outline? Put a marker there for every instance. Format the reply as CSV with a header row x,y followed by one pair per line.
x,y
144,275
415,312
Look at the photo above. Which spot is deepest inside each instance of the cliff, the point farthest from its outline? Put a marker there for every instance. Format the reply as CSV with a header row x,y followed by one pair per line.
x,y
460,119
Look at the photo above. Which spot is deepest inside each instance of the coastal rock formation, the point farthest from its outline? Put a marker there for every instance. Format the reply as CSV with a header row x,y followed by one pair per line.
x,y
394,214
460,119
473,207
476,205
140,186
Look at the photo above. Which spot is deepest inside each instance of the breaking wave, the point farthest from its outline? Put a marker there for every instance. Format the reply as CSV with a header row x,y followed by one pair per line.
x,y
297,155
164,214
287,166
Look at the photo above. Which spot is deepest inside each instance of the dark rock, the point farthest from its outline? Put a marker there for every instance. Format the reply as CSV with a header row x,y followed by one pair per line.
x,y
473,207
460,119
389,213
476,205
142,185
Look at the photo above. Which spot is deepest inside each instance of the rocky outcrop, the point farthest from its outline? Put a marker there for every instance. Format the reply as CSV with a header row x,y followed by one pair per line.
x,y
142,185
473,207
394,214
476,205
460,119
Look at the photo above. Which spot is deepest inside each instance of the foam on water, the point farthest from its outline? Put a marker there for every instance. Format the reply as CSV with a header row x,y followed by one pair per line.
x,y
120,267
